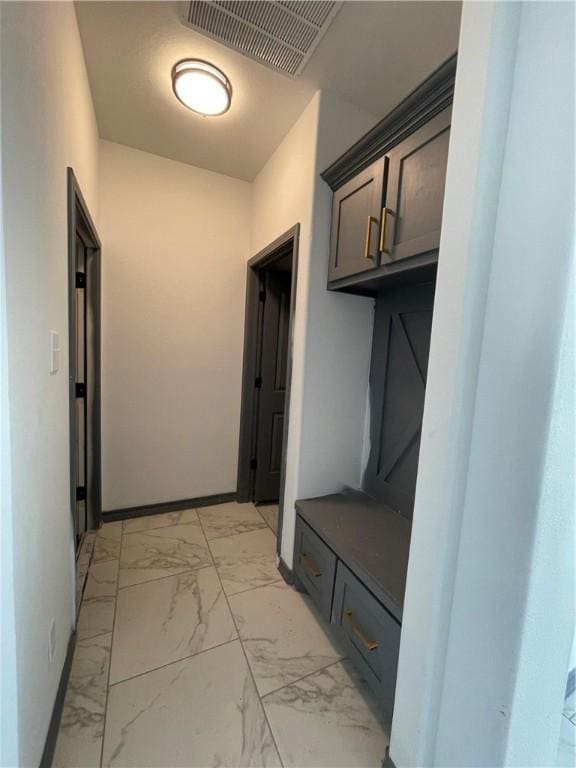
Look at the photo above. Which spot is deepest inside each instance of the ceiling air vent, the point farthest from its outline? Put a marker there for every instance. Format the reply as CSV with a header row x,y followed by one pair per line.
x,y
277,33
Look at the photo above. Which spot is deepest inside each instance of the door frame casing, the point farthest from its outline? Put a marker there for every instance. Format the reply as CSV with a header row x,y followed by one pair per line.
x,y
78,214
252,336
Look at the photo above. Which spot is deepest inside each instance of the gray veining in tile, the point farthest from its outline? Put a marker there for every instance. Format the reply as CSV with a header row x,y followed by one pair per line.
x,y
282,636
246,560
159,552
82,565
202,711
165,620
229,519
159,521
97,609
326,720
82,725
102,579
270,515
88,542
107,545
96,617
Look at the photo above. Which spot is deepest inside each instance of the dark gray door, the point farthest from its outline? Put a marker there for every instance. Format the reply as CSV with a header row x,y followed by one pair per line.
x,y
86,375
272,380
84,251
415,191
81,516
356,216
401,344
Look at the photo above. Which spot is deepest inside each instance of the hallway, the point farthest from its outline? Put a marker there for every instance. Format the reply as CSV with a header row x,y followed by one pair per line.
x,y
192,651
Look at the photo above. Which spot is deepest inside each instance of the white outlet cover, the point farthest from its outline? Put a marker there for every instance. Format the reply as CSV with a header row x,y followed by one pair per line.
x,y
52,640
54,352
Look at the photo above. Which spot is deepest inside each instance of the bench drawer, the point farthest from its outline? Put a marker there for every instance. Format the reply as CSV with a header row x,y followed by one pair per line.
x,y
369,633
315,566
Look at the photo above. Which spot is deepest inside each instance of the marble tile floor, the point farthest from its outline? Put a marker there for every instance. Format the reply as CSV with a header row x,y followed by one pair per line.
x,y
270,513
192,651
82,564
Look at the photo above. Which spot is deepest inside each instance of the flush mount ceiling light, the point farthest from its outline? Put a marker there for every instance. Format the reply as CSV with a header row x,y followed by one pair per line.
x,y
201,87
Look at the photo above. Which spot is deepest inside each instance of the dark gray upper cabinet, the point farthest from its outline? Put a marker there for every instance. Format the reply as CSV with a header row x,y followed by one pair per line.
x,y
356,211
389,192
415,193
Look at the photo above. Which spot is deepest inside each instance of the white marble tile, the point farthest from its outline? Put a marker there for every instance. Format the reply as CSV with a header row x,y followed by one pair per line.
x,y
88,542
229,519
112,530
328,719
96,616
282,635
97,609
148,522
159,552
82,565
169,619
107,544
82,725
270,515
83,561
102,579
202,711
246,560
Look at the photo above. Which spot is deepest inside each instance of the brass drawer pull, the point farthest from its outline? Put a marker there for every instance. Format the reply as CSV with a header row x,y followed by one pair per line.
x,y
383,223
368,644
370,222
310,565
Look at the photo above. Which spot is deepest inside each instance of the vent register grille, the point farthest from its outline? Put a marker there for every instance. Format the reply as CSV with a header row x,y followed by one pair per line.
x,y
278,33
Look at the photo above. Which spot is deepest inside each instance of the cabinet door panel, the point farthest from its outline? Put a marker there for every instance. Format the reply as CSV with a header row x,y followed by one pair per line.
x,y
356,211
415,194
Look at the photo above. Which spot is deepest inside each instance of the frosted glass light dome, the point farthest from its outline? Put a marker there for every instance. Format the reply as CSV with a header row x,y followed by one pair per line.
x,y
201,87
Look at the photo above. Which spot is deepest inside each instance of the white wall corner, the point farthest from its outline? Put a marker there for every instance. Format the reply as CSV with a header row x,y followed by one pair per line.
x,y
471,648
477,142
43,73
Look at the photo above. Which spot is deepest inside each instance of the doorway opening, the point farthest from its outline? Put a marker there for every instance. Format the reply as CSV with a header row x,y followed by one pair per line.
x,y
84,266
268,333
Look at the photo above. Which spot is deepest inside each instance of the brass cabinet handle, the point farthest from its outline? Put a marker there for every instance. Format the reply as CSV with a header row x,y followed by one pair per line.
x,y
368,644
309,564
369,223
383,223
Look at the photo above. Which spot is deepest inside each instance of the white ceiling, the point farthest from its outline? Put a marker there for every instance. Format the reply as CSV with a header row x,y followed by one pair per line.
x,y
373,55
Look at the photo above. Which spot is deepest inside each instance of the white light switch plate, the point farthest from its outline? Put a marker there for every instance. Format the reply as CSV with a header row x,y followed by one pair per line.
x,y
54,351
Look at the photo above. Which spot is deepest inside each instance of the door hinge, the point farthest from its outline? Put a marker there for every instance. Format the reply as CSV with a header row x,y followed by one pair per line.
x,y
80,280
258,382
80,390
253,464
80,493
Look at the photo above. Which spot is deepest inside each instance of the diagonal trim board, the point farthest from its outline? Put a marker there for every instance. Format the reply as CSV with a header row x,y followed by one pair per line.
x,y
413,427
